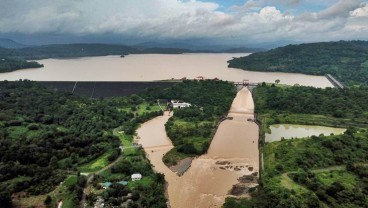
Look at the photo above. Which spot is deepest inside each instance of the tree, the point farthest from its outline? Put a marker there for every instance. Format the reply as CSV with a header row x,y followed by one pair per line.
x,y
277,81
48,200
5,200
54,162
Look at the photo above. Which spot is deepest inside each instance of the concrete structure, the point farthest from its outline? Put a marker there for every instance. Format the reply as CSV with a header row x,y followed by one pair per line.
x,y
136,177
334,81
179,104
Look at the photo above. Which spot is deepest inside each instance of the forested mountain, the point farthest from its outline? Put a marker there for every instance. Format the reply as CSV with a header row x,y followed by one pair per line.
x,y
346,60
73,50
8,43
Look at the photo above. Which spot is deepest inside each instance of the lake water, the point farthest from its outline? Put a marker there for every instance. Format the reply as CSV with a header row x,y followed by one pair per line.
x,y
289,131
149,67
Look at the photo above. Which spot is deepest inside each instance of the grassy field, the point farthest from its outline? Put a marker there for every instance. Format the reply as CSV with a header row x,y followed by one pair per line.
x,y
126,141
142,108
288,183
342,176
96,164
145,182
147,108
62,192
33,201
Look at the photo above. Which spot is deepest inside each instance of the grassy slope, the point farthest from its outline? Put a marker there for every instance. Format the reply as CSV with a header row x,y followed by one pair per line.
x,y
96,164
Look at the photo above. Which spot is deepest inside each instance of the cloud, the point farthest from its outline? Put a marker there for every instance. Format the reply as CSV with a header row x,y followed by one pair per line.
x,y
341,9
290,2
255,20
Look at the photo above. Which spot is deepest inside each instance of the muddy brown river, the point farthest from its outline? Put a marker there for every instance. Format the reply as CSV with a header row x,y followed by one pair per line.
x,y
232,154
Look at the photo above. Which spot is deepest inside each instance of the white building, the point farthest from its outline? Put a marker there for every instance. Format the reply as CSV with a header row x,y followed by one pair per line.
x,y
136,177
179,104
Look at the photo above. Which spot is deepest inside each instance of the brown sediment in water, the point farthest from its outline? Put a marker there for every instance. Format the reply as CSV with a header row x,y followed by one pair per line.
x,y
233,154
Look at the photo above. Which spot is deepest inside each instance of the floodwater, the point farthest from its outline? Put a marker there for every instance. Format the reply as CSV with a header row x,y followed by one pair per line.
x,y
150,67
289,131
232,154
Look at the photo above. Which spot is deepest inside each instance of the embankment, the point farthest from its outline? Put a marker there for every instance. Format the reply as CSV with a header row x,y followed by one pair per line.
x,y
103,89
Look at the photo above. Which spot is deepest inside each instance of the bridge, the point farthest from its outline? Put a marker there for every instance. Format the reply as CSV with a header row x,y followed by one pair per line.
x,y
246,83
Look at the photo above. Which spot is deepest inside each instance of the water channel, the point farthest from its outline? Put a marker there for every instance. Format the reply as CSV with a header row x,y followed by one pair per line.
x,y
232,154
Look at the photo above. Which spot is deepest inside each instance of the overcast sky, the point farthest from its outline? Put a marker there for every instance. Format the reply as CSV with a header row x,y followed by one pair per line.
x,y
247,21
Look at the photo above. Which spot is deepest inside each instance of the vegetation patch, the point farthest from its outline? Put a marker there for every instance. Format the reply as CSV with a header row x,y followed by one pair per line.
x,y
11,64
343,177
96,164
56,134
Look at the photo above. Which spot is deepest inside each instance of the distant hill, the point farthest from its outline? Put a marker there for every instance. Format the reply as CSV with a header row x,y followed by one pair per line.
x,y
147,45
346,60
85,49
243,50
197,48
167,50
8,65
74,50
8,43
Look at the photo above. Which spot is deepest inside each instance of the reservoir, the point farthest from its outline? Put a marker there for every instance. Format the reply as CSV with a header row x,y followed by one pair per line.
x,y
289,131
151,67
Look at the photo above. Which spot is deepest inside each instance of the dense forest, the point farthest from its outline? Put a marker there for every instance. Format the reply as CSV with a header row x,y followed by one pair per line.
x,y
345,60
317,172
8,65
310,100
321,171
47,135
192,128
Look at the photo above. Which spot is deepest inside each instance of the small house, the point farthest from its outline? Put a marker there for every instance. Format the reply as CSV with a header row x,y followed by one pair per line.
x,y
136,177
179,104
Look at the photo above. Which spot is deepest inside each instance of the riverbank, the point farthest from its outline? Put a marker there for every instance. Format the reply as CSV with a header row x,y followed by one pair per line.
x,y
232,158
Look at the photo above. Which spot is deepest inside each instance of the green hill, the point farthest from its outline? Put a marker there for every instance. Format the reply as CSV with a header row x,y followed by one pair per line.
x,y
8,65
346,60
